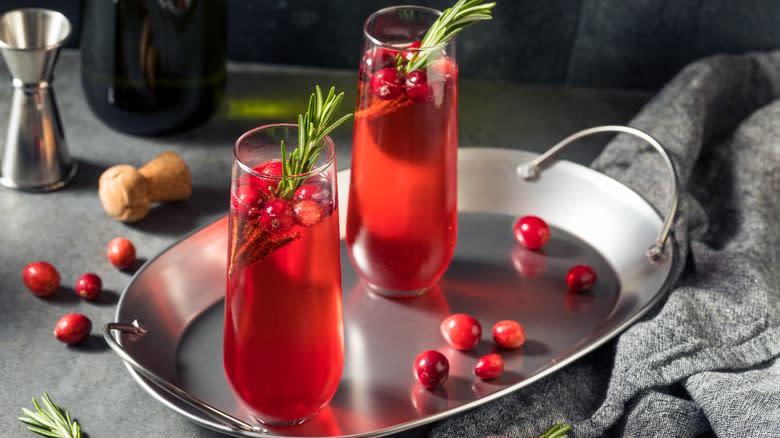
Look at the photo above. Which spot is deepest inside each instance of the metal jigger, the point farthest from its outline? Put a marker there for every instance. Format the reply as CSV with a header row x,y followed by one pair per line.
x,y
36,156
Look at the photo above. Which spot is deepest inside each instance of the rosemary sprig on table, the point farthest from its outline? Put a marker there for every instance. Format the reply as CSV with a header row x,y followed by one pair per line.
x,y
313,126
558,431
453,20
51,420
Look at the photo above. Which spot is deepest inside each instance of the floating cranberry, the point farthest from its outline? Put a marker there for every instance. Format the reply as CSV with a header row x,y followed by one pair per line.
x,y
417,88
270,168
375,59
72,328
532,232
431,368
121,253
508,334
489,366
580,278
246,201
411,54
41,278
461,331
88,286
387,83
277,216
307,212
316,190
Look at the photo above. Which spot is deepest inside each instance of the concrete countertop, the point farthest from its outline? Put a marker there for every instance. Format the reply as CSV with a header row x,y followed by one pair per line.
x,y
69,228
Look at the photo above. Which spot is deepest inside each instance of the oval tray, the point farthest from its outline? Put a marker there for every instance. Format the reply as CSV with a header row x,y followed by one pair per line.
x,y
178,297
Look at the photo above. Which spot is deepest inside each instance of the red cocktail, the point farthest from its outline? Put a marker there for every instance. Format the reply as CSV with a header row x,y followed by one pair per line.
x,y
283,340
402,218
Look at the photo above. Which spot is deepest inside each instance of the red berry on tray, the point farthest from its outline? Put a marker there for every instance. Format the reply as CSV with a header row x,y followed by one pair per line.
x,y
72,328
387,83
41,278
431,368
277,216
417,88
88,286
489,366
307,212
581,278
508,334
461,331
121,252
532,232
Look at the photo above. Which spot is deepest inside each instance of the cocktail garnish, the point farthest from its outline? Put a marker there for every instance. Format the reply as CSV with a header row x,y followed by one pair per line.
x,y
312,128
454,19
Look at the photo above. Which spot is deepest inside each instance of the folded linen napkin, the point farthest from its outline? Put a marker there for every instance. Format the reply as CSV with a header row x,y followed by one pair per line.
x,y
705,360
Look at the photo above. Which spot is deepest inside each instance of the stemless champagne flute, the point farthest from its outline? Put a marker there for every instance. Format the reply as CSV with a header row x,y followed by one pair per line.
x,y
402,215
283,340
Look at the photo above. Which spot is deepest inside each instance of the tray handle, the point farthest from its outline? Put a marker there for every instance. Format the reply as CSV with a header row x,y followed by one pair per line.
x,y
136,329
531,170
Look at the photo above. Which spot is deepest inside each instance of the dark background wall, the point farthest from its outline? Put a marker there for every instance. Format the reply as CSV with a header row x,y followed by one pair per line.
x,y
586,43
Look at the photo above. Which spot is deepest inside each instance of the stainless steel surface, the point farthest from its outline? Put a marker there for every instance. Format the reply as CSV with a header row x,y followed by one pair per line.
x,y
594,220
36,156
531,171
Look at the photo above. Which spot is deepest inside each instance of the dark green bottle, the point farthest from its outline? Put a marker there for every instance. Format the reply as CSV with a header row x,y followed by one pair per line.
x,y
153,66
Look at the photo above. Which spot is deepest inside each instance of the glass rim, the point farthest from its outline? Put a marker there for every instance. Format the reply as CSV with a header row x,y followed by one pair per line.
x,y
331,148
377,42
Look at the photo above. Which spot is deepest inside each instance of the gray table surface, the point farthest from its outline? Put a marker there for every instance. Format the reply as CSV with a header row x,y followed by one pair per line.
x,y
70,229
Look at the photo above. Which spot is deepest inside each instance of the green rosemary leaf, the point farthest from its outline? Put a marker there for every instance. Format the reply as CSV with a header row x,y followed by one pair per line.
x,y
557,431
50,420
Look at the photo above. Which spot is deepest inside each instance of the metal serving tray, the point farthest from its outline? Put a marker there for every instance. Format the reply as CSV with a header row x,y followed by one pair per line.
x,y
177,298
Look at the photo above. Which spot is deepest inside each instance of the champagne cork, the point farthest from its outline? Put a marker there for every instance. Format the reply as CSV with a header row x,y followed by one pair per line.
x,y
128,194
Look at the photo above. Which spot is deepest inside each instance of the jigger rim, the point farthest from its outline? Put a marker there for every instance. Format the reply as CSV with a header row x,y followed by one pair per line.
x,y
51,12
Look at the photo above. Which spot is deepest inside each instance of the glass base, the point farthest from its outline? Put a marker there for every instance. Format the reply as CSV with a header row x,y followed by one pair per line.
x,y
391,293
276,423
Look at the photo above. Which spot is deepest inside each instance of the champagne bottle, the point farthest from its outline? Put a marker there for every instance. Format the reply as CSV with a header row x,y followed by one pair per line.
x,y
153,67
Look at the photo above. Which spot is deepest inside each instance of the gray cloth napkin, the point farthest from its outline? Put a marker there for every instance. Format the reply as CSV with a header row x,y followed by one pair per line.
x,y
705,360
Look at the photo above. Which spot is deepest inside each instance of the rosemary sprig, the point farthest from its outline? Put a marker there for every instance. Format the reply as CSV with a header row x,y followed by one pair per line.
x,y
51,421
453,20
557,431
313,126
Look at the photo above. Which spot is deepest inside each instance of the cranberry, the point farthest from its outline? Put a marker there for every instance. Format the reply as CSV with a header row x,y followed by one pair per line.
x,y
41,278
277,216
462,331
316,191
411,54
431,368
387,83
532,232
72,328
307,212
508,334
121,252
88,286
417,88
580,278
375,59
246,201
489,366
270,168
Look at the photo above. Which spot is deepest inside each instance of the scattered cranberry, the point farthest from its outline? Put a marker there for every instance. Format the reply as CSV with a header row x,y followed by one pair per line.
x,y
508,334
489,366
41,278
72,328
532,232
88,286
387,83
277,216
431,368
417,88
121,253
307,212
580,278
462,331
246,201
